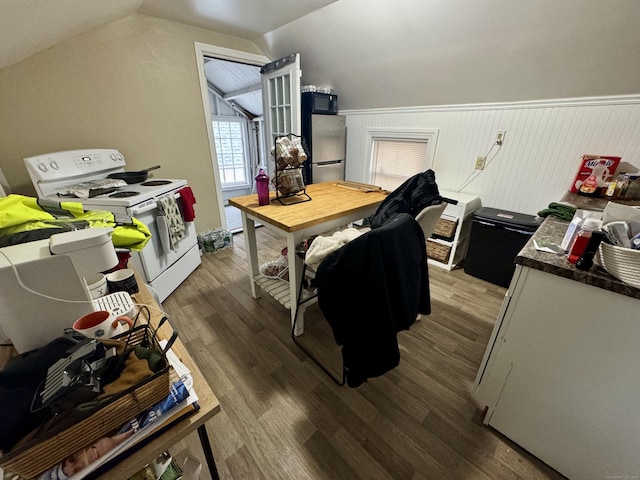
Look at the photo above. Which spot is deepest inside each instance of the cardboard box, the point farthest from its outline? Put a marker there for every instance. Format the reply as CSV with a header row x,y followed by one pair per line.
x,y
587,164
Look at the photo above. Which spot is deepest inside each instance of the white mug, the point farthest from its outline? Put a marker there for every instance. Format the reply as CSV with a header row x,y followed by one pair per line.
x,y
97,285
102,324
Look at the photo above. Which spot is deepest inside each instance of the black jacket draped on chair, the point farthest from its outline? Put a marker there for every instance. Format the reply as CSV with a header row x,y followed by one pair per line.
x,y
372,288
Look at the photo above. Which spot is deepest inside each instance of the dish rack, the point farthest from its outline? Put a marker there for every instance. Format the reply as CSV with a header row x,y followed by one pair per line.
x,y
622,263
290,154
56,440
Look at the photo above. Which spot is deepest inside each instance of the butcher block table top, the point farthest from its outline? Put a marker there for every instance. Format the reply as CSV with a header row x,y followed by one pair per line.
x,y
329,201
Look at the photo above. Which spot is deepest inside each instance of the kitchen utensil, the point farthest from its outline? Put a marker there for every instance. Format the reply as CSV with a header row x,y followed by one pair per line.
x,y
363,187
133,177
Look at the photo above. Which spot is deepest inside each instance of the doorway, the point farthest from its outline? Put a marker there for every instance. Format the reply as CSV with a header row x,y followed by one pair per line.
x,y
232,100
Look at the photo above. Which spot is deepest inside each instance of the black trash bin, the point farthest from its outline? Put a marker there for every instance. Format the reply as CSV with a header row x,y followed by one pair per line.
x,y
496,238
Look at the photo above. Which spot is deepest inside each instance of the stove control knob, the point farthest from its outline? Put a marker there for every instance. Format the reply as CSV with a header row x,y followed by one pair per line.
x,y
43,167
53,164
120,156
114,157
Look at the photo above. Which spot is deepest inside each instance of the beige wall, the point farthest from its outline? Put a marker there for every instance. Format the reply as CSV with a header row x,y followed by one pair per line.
x,y
131,85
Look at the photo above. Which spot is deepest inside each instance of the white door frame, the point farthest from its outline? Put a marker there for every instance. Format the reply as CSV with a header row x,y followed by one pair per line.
x,y
203,49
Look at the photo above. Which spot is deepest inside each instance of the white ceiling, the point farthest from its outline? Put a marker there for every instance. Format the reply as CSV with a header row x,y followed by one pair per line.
x,y
29,26
236,83
243,18
399,53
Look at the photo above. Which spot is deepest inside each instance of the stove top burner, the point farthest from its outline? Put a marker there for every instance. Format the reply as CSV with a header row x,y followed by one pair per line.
x,y
155,183
124,194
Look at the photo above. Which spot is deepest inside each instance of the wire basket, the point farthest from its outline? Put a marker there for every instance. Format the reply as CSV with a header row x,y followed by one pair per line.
x,y
55,442
622,263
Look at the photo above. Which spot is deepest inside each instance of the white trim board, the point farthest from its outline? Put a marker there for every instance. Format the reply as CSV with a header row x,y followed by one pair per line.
x,y
561,102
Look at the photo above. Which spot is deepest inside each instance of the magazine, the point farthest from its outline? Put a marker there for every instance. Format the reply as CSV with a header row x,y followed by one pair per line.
x,y
181,400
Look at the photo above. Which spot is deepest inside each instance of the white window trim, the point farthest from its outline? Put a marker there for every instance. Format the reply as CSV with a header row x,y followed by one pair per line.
x,y
245,141
428,134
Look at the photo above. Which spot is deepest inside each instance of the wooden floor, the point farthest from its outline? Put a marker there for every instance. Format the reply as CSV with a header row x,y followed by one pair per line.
x,y
283,418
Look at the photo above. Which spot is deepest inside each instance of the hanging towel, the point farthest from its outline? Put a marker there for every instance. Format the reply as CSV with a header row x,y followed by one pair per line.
x,y
163,233
168,207
187,200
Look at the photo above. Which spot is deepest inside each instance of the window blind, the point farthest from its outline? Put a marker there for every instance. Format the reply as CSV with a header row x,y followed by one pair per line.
x,y
395,160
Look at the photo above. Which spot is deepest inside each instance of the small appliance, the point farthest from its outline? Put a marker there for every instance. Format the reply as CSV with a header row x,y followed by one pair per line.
x,y
322,103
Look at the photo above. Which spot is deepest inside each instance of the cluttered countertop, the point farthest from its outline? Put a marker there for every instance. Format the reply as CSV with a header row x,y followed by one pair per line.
x,y
553,230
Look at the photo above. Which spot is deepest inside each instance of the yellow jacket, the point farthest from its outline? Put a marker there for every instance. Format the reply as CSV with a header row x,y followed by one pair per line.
x,y
26,219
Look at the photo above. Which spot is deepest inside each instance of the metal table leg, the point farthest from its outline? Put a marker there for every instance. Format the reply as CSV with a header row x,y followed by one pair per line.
x,y
208,454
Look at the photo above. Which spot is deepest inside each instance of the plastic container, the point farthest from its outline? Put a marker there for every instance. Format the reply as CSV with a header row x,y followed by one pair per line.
x,y
262,187
582,239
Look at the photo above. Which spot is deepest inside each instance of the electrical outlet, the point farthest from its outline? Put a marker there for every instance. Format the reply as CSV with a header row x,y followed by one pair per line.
x,y
500,136
480,161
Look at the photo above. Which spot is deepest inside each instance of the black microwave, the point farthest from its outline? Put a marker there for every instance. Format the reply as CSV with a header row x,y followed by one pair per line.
x,y
323,103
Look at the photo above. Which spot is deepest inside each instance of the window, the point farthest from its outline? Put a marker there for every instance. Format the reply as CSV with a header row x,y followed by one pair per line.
x,y
398,155
231,149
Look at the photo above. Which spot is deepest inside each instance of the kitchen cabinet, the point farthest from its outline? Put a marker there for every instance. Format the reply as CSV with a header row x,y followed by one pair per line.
x,y
449,251
560,374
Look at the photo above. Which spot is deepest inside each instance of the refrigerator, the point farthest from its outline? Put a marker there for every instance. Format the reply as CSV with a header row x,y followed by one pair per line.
x,y
325,137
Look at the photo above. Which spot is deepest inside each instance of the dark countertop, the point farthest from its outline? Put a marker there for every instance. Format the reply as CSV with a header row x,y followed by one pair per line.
x,y
553,229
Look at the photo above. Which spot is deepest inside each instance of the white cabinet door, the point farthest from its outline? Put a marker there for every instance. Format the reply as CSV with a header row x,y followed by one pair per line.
x,y
281,100
563,377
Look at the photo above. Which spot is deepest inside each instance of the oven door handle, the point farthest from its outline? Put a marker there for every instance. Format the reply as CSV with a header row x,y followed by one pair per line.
x,y
148,207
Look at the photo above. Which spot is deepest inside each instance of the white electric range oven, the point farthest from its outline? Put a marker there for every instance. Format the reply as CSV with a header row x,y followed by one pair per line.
x,y
164,269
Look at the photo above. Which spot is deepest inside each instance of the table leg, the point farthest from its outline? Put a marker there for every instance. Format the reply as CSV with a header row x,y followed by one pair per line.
x,y
295,278
249,229
208,454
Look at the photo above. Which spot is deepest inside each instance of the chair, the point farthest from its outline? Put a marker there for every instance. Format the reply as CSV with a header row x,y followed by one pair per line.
x,y
421,189
368,290
429,216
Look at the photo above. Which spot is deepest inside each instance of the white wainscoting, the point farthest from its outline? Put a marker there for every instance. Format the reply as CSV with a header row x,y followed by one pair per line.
x,y
540,155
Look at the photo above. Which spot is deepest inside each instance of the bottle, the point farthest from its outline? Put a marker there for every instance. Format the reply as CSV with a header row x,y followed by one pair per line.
x,y
582,239
586,260
262,187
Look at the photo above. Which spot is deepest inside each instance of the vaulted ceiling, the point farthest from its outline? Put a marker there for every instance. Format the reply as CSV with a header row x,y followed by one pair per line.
x,y
378,54
28,26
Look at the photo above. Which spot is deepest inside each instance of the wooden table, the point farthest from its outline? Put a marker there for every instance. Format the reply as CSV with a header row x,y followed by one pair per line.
x,y
331,207
209,406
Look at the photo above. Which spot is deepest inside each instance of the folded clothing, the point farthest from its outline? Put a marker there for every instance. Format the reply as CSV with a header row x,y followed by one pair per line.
x,y
563,211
